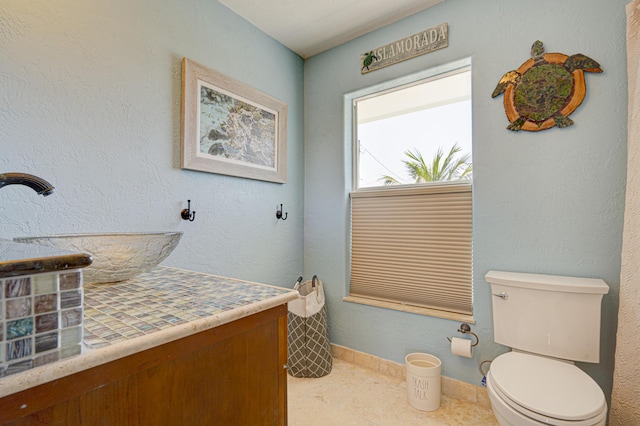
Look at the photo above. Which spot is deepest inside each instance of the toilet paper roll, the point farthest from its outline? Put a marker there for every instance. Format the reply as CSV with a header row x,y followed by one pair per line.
x,y
461,347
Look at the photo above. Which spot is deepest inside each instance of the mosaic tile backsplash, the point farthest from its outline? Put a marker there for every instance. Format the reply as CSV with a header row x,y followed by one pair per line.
x,y
159,299
40,319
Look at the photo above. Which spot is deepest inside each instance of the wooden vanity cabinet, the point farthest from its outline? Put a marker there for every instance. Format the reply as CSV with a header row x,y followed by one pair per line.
x,y
229,375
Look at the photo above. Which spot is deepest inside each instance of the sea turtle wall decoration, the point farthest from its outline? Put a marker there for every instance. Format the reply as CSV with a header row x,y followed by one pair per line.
x,y
545,90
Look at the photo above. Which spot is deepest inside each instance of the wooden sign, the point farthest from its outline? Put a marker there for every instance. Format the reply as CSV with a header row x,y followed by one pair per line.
x,y
409,47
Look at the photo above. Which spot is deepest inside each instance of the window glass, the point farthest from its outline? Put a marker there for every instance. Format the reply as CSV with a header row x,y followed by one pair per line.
x,y
416,133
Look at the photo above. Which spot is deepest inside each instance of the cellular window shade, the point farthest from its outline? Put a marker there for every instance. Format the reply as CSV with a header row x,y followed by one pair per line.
x,y
413,246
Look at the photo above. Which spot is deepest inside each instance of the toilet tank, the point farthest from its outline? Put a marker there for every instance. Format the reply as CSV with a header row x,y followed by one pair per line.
x,y
549,315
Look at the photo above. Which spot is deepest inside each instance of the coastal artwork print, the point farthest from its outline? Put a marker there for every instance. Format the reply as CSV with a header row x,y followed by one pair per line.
x,y
236,130
230,128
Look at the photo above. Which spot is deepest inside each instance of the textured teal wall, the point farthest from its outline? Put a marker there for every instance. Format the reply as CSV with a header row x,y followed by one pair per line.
x,y
90,100
547,202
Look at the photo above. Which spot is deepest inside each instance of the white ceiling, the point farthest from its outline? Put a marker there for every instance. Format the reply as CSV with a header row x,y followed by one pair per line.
x,y
309,27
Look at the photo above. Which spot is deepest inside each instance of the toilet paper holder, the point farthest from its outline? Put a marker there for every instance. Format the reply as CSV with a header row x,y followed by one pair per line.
x,y
466,329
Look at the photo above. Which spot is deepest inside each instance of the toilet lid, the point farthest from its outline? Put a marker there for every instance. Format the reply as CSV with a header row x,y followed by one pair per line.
x,y
549,387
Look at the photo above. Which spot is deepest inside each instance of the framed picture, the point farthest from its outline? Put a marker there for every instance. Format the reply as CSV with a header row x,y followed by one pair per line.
x,y
230,128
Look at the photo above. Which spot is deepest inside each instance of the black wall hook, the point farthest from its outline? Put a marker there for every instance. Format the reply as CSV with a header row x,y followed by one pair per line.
x,y
187,214
279,214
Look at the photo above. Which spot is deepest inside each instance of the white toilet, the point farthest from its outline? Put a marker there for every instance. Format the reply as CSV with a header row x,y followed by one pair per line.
x,y
549,322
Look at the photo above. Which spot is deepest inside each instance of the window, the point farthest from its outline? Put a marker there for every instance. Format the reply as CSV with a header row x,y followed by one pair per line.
x,y
411,216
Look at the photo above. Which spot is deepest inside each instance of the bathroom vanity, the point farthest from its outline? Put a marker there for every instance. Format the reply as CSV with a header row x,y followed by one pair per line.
x,y
167,347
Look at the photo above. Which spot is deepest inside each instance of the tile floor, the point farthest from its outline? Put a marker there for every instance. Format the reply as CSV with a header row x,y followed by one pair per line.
x,y
353,395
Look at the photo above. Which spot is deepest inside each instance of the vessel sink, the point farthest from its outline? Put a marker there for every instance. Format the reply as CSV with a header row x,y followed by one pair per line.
x,y
116,256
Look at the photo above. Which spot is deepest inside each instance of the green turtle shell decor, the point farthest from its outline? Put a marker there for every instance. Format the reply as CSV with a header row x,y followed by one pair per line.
x,y
545,90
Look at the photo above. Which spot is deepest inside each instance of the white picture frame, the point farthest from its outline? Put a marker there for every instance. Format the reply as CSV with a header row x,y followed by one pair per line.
x,y
230,128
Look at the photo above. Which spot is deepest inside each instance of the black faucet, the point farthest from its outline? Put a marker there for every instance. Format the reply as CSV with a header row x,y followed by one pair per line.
x,y
41,186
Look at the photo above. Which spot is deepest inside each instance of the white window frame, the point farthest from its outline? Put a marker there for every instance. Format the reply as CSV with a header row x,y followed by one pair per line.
x,y
351,144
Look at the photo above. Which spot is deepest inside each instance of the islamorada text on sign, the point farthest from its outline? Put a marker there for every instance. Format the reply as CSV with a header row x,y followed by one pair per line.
x,y
409,47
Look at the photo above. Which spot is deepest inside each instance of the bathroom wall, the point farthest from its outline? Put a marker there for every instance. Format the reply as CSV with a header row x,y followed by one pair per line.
x,y
90,100
544,202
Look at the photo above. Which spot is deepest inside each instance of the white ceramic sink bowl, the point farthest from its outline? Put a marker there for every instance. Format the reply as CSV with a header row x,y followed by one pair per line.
x,y
116,256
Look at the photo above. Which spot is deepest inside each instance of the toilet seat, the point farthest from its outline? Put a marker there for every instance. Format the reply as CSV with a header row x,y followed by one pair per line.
x,y
547,390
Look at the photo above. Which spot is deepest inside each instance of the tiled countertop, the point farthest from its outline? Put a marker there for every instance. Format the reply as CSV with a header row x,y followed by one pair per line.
x,y
157,307
160,300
